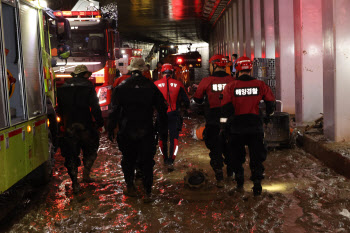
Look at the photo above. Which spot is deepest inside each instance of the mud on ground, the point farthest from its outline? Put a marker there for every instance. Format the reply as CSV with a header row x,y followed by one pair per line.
x,y
300,195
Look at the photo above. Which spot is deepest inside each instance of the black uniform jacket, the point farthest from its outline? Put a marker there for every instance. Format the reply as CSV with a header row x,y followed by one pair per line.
x,y
133,104
78,103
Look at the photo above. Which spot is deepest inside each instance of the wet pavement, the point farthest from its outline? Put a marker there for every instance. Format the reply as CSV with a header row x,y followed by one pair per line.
x,y
299,195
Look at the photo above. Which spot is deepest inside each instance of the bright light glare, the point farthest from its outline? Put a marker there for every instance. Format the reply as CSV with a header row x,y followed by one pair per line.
x,y
43,3
275,187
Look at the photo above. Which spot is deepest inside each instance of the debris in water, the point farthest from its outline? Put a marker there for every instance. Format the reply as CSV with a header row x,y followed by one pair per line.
x,y
345,213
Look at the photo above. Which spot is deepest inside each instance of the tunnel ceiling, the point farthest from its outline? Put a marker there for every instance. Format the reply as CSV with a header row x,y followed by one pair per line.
x,y
174,21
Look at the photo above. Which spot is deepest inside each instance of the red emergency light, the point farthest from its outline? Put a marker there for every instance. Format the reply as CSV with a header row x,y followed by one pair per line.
x,y
76,13
199,60
179,60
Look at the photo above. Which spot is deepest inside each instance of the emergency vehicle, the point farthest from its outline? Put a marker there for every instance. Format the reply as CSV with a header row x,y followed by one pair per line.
x,y
92,44
187,62
26,88
190,59
124,56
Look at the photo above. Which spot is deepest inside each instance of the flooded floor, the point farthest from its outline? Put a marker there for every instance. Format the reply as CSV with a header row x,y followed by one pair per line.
x,y
299,195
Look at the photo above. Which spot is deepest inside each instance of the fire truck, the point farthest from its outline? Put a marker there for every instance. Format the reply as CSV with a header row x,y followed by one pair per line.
x,y
187,63
190,59
92,44
26,90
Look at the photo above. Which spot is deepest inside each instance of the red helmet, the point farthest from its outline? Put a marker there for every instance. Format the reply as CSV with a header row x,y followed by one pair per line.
x,y
219,60
243,63
167,68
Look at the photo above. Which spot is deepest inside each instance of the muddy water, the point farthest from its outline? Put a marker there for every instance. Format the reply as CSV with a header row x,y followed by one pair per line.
x,y
300,195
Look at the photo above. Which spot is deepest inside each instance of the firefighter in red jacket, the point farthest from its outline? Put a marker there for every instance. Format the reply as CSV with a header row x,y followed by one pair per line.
x,y
213,87
241,104
175,94
119,80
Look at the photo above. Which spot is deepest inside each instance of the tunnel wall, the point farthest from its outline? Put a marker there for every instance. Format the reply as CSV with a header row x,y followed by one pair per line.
x,y
309,41
336,38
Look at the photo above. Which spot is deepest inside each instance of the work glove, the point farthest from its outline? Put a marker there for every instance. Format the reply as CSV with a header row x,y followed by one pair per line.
x,y
102,129
111,135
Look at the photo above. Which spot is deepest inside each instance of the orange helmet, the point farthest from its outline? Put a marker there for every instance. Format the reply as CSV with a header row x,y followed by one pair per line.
x,y
219,60
243,63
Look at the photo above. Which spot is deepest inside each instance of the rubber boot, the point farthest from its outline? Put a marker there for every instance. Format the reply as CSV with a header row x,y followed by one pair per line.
x,y
229,174
73,173
130,191
86,176
257,189
86,172
138,175
148,198
170,165
219,175
238,189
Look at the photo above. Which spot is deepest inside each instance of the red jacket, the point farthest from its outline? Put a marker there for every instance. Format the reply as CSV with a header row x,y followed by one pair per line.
x,y
120,79
245,95
241,99
213,87
173,91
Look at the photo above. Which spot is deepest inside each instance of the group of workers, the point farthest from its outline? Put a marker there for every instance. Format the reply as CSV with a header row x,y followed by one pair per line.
x,y
181,74
232,121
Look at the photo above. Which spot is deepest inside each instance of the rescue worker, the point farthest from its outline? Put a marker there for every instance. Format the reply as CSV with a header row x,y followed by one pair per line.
x,y
228,68
147,72
177,73
234,59
157,72
241,100
213,86
133,103
185,75
116,83
75,98
121,79
175,94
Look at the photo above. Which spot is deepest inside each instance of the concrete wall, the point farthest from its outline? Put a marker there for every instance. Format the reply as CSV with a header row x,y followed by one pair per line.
x,y
285,61
336,37
308,60
310,41
252,33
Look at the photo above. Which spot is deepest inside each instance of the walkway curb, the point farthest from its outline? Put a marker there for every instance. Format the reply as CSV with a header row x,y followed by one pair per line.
x,y
330,158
